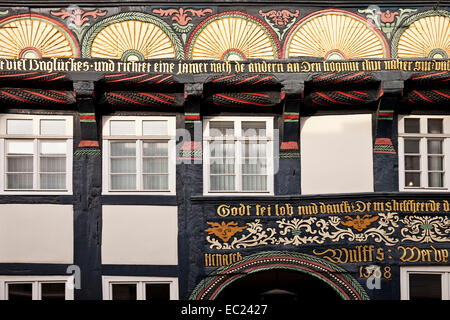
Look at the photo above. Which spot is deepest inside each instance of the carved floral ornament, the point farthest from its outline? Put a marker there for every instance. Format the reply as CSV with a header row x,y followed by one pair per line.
x,y
381,228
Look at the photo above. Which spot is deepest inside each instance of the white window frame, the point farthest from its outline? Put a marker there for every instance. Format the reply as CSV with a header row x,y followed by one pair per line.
x,y
238,138
444,271
140,282
36,282
37,138
139,138
423,136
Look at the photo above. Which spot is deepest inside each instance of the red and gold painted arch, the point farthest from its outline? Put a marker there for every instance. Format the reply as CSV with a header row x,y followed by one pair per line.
x,y
335,34
36,36
338,278
232,35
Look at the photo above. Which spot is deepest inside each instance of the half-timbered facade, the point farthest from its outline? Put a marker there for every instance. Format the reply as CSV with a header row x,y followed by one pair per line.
x,y
212,150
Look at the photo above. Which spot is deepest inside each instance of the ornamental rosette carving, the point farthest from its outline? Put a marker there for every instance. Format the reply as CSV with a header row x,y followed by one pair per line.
x,y
383,233
387,21
301,231
312,231
256,236
426,229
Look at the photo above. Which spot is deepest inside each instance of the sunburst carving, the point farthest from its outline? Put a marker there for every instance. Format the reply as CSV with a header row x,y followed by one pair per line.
x,y
35,37
426,37
132,36
335,35
132,40
232,37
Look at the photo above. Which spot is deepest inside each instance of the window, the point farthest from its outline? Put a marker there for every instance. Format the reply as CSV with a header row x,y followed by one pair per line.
x,y
336,154
238,155
425,283
139,288
423,145
139,154
36,287
35,154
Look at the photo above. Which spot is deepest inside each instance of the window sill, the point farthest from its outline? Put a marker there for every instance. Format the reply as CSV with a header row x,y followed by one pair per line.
x,y
423,190
35,193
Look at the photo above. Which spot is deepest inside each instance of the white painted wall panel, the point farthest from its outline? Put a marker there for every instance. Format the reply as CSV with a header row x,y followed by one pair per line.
x,y
141,235
336,154
36,233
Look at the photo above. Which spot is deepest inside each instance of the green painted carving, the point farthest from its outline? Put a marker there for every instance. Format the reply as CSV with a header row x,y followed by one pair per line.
x,y
280,20
131,16
387,21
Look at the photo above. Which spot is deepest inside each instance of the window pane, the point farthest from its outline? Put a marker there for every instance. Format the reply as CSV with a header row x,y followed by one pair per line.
x,y
221,128
425,287
121,165
19,164
53,164
254,166
20,291
122,127
222,183
254,128
434,163
155,165
157,291
221,149
156,182
14,126
53,127
19,181
53,147
412,162
412,146
435,179
412,179
221,166
434,125
53,181
412,125
20,147
123,149
157,127
53,291
254,183
123,182
155,148
435,146
253,149
125,291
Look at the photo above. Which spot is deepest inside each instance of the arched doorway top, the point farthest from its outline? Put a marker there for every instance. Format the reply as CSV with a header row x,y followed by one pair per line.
x,y
335,276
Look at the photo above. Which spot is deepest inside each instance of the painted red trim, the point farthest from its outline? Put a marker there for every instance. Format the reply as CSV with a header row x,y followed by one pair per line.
x,y
45,97
428,75
88,143
92,117
223,78
283,257
441,93
240,101
289,145
192,117
155,97
69,33
422,96
14,96
383,141
213,295
124,79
